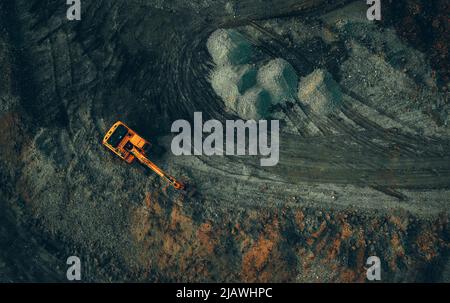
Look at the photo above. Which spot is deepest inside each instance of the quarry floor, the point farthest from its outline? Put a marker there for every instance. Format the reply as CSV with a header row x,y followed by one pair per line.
x,y
372,179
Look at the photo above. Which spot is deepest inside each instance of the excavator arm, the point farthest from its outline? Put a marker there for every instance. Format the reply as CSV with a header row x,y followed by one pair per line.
x,y
144,160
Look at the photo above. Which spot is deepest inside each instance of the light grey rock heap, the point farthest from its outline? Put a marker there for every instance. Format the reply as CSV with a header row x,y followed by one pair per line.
x,y
228,47
320,92
279,78
254,104
244,89
230,82
251,92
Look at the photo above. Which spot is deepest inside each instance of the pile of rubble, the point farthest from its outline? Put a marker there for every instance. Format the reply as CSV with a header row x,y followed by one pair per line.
x,y
250,88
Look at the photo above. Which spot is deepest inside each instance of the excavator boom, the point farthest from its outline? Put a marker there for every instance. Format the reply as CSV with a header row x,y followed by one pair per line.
x,y
144,160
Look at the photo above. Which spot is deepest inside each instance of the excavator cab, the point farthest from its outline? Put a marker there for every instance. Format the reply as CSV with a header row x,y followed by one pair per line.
x,y
120,139
128,145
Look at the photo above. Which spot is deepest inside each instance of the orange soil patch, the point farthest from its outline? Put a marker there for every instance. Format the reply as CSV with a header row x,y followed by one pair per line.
x,y
322,227
399,222
398,251
427,244
299,216
257,265
255,259
346,231
205,237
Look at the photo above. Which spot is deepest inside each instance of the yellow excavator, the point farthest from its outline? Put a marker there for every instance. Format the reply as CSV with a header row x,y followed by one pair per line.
x,y
128,145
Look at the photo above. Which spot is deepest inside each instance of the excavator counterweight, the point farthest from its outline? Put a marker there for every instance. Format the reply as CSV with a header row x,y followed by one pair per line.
x,y
128,145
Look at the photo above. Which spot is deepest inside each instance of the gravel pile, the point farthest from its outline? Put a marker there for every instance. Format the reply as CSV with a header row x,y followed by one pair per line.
x,y
320,92
245,89
228,47
230,82
279,78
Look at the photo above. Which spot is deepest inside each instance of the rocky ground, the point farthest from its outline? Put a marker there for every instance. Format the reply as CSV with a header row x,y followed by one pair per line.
x,y
370,178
